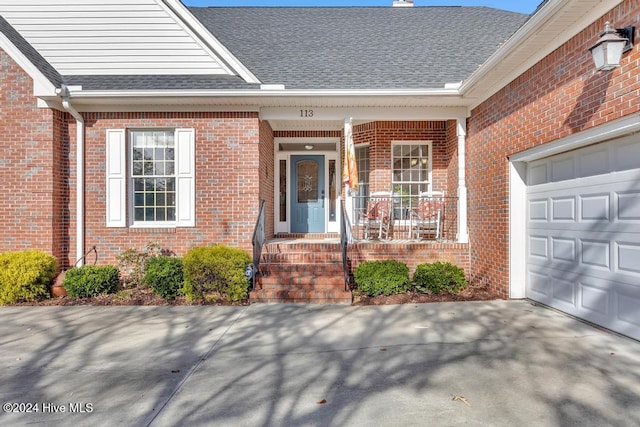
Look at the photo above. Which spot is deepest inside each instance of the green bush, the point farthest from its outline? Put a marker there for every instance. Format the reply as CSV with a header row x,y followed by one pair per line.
x,y
25,276
164,275
382,278
132,263
91,280
439,277
216,272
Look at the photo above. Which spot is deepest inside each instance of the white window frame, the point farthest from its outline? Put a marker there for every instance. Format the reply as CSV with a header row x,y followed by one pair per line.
x,y
131,178
429,181
119,185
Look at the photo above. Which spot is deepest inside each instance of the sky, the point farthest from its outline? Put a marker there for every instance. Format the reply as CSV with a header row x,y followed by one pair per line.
x,y
522,6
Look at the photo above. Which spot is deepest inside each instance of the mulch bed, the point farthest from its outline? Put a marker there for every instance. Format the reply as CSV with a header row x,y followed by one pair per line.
x,y
471,293
145,297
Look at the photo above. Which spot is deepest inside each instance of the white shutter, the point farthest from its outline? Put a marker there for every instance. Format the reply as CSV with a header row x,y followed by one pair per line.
x,y
185,177
116,178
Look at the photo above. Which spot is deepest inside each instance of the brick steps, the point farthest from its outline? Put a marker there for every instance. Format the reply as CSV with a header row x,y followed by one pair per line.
x,y
301,273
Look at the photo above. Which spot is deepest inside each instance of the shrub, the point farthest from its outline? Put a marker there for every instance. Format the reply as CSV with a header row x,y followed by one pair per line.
x,y
439,277
132,263
91,280
382,278
164,275
25,276
216,272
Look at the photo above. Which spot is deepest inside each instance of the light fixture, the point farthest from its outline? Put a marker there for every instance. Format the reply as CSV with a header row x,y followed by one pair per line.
x,y
613,42
308,147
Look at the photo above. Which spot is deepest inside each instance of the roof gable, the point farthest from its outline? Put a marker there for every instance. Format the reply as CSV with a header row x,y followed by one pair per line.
x,y
106,37
45,78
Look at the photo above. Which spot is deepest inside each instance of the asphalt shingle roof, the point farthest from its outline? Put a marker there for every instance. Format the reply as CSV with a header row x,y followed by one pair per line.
x,y
361,47
160,82
327,48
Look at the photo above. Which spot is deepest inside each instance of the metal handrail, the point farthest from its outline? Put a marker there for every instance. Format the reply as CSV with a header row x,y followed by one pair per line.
x,y
258,240
346,237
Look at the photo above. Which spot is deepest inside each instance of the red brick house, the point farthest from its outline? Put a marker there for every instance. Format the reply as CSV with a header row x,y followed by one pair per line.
x,y
157,122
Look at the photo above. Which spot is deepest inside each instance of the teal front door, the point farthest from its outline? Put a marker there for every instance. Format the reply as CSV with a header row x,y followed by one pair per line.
x,y
307,197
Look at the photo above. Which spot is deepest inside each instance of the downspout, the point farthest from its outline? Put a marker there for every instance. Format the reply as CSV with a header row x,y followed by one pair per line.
x,y
64,92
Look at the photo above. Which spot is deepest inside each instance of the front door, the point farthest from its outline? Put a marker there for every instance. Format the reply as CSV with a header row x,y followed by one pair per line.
x,y
307,194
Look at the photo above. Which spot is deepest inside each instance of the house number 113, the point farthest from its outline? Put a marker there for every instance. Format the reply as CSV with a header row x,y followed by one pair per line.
x,y
306,113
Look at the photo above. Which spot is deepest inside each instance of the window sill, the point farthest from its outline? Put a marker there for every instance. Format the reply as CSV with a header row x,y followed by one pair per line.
x,y
149,229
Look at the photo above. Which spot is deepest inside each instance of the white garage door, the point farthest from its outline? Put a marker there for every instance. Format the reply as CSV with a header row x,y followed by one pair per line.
x,y
583,233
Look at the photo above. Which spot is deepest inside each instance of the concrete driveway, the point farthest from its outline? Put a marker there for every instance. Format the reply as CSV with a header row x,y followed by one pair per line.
x,y
499,363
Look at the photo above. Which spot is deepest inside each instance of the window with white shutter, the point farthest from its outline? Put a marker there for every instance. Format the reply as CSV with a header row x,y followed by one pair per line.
x,y
159,173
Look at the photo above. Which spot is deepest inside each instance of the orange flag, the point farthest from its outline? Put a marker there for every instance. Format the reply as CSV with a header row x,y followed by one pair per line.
x,y
350,170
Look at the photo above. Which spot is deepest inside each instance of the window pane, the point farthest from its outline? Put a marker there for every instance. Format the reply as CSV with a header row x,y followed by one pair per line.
x,y
332,190
410,168
137,168
283,190
153,156
159,168
171,214
307,173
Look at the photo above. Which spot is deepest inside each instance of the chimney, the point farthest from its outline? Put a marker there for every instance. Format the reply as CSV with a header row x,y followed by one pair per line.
x,y
403,3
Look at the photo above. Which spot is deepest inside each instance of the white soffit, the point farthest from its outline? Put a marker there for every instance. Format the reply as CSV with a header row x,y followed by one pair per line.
x,y
545,31
97,37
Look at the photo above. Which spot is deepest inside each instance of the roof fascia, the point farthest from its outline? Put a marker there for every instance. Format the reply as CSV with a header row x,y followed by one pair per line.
x,y
216,48
41,84
79,93
476,85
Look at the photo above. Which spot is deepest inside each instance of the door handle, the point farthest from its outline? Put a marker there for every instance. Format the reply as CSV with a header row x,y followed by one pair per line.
x,y
322,193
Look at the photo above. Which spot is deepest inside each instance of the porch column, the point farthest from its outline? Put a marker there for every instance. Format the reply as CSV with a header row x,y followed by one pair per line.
x,y
463,232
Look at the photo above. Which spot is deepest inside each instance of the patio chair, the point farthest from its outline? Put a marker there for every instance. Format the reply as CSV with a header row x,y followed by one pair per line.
x,y
376,221
427,217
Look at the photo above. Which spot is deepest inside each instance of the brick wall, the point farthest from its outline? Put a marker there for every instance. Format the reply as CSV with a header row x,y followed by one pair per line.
x,y
228,177
266,175
559,96
33,168
379,136
411,254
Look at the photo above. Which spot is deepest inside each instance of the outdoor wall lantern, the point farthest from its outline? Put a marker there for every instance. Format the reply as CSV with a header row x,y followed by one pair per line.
x,y
608,50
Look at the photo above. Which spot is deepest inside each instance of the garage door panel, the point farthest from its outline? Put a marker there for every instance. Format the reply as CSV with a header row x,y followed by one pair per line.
x,y
563,209
563,250
596,254
583,233
627,313
629,258
564,292
595,300
628,206
539,285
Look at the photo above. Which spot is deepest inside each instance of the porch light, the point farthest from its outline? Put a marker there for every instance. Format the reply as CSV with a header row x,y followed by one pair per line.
x,y
308,147
613,42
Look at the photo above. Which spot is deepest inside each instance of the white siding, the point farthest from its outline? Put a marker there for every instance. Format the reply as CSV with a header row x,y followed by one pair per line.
x,y
127,37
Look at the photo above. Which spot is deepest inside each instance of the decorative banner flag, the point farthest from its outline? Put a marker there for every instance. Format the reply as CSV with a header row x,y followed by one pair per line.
x,y
350,170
